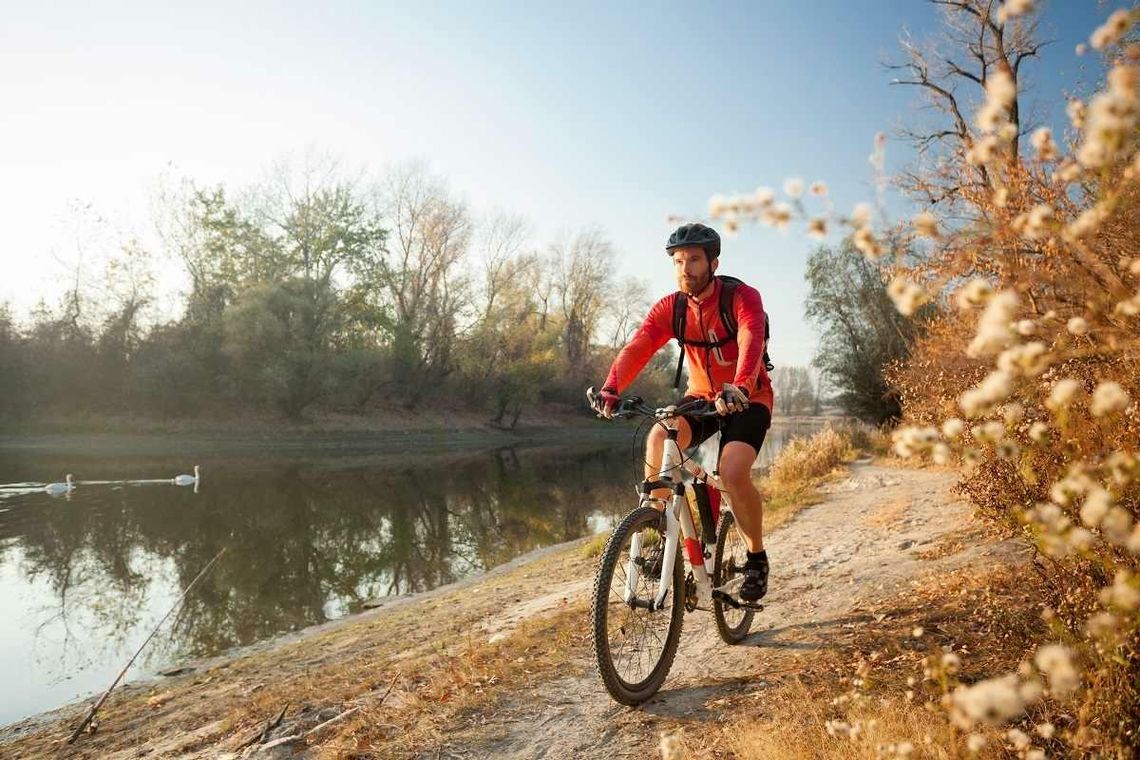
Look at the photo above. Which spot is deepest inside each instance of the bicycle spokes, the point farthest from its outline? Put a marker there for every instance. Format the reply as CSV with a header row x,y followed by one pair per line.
x,y
636,634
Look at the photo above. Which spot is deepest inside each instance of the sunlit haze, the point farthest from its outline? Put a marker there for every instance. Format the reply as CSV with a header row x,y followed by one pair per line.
x,y
584,115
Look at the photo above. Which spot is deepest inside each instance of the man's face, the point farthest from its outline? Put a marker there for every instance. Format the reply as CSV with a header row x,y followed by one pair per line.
x,y
693,269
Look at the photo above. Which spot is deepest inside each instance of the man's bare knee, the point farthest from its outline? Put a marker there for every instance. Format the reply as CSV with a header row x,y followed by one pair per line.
x,y
736,478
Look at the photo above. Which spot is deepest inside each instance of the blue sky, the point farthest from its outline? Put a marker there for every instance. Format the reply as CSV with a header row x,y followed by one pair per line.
x,y
571,114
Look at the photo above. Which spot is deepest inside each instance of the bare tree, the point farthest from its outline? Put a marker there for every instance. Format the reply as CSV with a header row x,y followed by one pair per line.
x,y
501,241
582,267
424,280
952,73
626,310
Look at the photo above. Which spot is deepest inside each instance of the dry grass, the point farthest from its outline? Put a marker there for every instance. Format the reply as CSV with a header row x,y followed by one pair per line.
x,y
593,548
792,481
994,618
804,459
795,730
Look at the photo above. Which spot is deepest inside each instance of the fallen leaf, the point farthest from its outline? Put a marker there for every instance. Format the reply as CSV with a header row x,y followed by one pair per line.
x,y
158,700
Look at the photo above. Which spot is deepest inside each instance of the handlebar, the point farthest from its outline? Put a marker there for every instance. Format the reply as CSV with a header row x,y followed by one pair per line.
x,y
631,406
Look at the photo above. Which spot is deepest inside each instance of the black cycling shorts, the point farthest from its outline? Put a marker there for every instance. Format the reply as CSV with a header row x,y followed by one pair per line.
x,y
749,426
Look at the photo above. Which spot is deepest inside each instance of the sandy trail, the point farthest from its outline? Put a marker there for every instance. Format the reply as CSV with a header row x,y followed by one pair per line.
x,y
868,540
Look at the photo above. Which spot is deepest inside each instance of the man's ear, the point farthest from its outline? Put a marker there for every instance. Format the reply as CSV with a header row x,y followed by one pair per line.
x,y
713,265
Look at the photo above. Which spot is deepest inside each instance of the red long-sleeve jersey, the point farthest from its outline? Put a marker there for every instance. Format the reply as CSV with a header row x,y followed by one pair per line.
x,y
740,362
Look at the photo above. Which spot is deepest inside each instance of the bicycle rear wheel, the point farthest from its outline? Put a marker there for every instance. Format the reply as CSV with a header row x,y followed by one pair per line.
x,y
634,646
731,623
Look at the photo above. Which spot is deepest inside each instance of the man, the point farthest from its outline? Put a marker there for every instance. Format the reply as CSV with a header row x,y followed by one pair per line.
x,y
730,372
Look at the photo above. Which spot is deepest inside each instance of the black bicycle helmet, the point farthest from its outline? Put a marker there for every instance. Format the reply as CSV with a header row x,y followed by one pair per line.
x,y
694,234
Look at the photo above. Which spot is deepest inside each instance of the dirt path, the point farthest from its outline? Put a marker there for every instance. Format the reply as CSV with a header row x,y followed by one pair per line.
x,y
501,666
878,531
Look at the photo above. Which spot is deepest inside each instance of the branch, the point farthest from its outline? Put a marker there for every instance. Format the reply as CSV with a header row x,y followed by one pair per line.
x,y
956,69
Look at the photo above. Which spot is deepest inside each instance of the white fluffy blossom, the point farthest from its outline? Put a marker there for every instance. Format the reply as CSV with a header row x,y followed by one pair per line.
x,y
1077,326
670,747
995,388
718,206
1029,359
1011,9
1096,506
865,241
1116,526
1110,32
1109,398
817,227
991,701
1133,542
1087,223
974,293
906,295
1122,593
1037,221
1018,738
794,187
983,150
994,331
1063,393
763,197
1056,661
926,225
1110,118
1042,141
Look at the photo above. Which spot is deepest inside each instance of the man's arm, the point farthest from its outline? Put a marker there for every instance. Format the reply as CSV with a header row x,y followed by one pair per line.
x,y
749,338
654,333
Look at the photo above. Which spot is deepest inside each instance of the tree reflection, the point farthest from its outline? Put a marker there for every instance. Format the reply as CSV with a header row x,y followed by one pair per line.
x,y
304,541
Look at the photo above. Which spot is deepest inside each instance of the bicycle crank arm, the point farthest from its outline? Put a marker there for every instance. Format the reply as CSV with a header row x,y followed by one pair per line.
x,y
736,603
730,587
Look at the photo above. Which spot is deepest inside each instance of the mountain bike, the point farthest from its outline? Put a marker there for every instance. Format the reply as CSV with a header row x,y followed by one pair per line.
x,y
642,590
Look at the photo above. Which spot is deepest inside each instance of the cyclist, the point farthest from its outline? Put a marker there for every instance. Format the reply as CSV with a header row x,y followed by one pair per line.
x,y
724,368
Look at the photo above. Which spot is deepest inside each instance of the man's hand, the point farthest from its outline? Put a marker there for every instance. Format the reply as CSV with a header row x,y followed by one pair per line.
x,y
731,399
604,401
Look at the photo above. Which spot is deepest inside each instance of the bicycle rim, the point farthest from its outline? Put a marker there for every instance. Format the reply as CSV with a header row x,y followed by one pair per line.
x,y
731,623
634,646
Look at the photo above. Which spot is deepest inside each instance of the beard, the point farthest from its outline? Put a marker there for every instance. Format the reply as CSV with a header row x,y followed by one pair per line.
x,y
694,285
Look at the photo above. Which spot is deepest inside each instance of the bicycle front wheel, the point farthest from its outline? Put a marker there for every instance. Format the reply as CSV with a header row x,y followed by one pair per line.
x,y
635,646
731,623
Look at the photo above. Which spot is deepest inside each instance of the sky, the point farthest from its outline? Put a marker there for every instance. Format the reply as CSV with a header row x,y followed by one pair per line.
x,y
574,115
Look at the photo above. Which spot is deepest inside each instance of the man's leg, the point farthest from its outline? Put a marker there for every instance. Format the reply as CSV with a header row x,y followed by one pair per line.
x,y
747,504
655,450
736,475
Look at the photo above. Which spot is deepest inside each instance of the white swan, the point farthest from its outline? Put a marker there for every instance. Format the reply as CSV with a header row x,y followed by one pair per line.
x,y
187,480
55,489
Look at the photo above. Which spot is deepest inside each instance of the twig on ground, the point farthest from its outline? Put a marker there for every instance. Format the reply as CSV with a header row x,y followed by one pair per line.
x,y
310,733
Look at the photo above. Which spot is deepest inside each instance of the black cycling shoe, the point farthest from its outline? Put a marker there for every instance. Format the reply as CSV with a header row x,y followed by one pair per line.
x,y
755,584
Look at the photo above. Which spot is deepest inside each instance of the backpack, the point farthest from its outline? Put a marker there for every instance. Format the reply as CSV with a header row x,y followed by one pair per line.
x,y
727,318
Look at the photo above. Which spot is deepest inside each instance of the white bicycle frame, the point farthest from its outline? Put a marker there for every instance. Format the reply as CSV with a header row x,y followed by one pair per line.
x,y
679,524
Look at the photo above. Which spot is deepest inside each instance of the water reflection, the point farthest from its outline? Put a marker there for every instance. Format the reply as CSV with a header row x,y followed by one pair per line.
x,y
87,576
305,542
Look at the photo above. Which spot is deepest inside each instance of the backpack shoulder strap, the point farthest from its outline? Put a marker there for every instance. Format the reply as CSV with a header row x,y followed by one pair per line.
x,y
680,306
727,312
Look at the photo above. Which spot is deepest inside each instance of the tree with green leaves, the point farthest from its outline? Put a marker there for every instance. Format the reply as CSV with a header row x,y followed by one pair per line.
x,y
861,331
